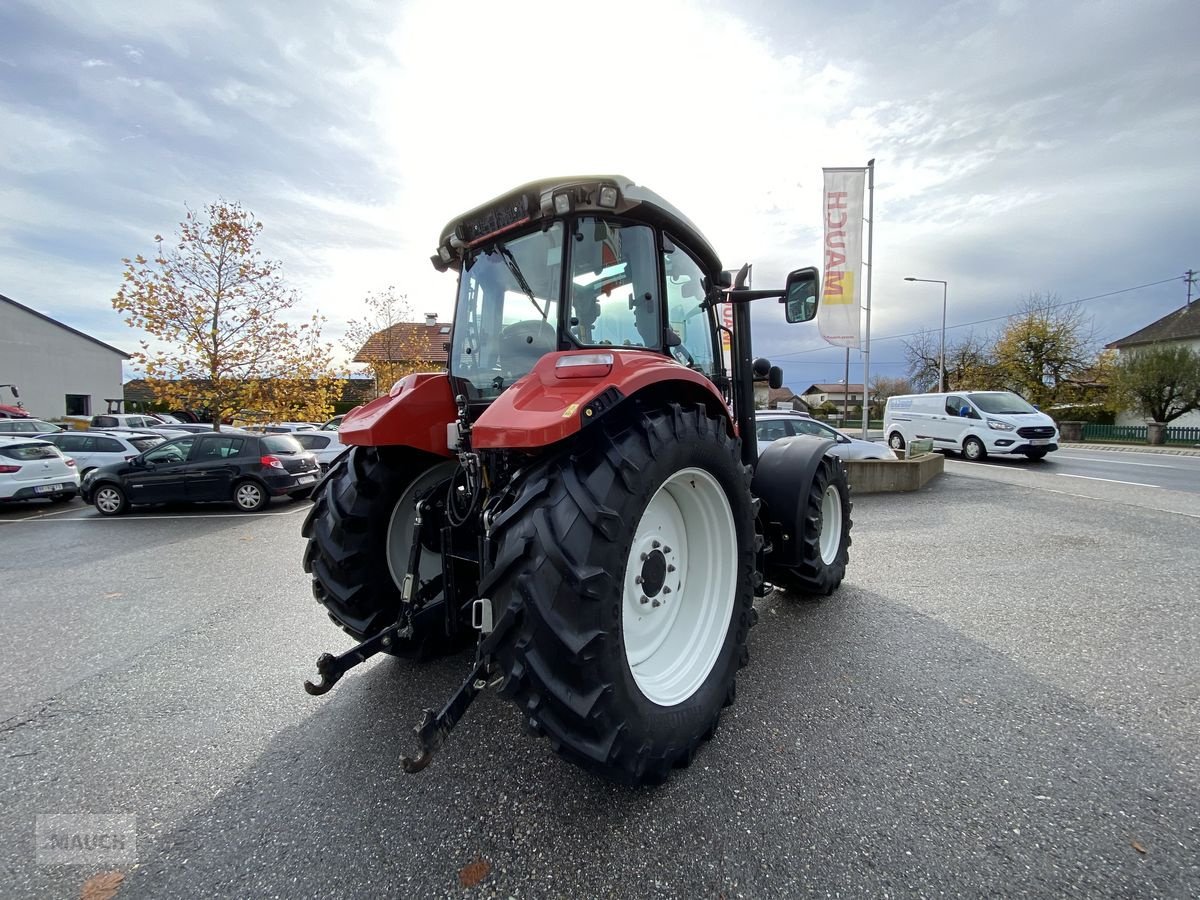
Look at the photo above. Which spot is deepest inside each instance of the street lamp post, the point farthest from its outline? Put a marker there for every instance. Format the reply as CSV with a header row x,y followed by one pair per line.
x,y
942,357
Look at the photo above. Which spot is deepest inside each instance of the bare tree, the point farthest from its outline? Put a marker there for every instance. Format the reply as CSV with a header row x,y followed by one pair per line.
x,y
381,343
968,362
884,388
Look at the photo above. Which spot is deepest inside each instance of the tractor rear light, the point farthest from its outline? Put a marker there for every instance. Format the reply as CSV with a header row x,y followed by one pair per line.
x,y
271,462
583,365
608,197
8,470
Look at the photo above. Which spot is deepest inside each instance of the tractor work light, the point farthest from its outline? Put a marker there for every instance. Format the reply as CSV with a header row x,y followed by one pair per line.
x,y
444,253
562,204
583,365
608,197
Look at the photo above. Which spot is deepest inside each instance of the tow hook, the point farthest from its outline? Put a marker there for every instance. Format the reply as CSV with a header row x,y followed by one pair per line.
x,y
435,728
331,668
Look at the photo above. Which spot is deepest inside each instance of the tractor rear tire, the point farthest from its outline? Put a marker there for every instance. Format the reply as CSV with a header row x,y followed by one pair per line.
x,y
347,553
623,590
826,542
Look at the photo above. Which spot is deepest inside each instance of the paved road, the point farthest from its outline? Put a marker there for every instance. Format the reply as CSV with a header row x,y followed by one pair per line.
x,y
1147,470
980,709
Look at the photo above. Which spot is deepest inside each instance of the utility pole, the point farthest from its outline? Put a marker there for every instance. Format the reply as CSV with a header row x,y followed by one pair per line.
x,y
1190,277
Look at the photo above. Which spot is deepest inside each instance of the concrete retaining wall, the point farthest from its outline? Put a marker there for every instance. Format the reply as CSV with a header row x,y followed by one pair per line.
x,y
877,476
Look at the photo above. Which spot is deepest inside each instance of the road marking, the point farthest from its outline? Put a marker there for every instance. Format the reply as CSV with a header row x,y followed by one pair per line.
x,y
1109,480
1123,462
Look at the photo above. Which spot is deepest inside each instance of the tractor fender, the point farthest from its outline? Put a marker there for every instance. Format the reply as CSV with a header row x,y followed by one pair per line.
x,y
414,413
556,401
782,481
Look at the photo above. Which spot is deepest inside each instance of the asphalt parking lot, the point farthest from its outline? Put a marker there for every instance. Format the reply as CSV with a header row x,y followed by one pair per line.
x,y
1004,698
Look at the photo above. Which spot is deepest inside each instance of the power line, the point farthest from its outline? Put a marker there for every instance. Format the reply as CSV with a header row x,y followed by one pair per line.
x,y
892,337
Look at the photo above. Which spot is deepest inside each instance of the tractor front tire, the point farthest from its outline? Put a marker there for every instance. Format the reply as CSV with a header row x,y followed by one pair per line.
x,y
623,590
348,530
826,541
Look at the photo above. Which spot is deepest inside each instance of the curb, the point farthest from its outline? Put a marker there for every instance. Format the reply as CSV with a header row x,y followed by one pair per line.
x,y
1135,448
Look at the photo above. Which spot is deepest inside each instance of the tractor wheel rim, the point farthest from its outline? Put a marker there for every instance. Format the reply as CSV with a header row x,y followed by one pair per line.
x,y
402,526
108,500
248,496
680,587
830,540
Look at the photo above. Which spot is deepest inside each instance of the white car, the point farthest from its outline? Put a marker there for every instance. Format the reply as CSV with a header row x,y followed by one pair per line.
x,y
32,469
135,422
324,445
27,426
976,424
93,449
771,425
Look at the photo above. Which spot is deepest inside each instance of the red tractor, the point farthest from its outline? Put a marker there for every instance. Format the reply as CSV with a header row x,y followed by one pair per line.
x,y
581,493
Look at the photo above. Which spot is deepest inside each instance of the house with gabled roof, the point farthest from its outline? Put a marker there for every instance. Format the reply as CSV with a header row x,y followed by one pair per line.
x,y
1180,327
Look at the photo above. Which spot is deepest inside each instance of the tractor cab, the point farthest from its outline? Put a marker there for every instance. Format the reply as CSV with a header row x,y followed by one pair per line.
x,y
583,264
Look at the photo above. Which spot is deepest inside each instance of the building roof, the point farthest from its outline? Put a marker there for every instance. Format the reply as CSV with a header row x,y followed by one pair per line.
x,y
417,341
833,389
1179,325
77,333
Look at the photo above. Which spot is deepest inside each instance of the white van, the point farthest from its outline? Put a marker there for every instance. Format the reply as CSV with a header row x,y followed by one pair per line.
x,y
973,423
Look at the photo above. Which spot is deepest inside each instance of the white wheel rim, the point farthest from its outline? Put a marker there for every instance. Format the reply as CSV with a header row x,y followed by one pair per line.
x,y
108,500
248,496
684,555
402,524
831,524
895,442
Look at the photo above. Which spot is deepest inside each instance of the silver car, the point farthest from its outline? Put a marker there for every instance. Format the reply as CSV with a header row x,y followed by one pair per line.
x,y
771,425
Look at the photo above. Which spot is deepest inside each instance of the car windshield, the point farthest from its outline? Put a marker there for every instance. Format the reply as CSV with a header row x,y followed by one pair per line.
x,y
281,443
507,319
1001,403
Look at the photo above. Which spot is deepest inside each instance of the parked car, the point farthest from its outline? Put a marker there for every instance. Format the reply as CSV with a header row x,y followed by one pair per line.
x,y
93,449
775,424
32,469
281,427
247,469
324,445
332,424
203,428
973,423
135,422
28,426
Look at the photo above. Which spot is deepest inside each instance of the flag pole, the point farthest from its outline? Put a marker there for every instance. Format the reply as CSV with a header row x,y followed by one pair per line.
x,y
866,405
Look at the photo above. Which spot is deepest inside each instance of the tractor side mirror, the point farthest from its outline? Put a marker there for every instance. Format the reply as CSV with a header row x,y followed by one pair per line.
x,y
800,297
16,393
775,378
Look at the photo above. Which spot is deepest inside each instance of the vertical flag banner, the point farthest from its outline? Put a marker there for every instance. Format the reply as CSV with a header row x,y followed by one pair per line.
x,y
842,209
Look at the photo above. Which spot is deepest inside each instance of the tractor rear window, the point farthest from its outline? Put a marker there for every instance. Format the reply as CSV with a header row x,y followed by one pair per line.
x,y
614,285
507,317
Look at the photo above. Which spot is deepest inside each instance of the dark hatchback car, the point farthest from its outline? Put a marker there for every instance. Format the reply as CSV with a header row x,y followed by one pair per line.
x,y
248,469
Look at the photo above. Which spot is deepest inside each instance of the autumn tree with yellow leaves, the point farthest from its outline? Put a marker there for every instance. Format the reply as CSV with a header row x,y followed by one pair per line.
x,y
385,341
216,310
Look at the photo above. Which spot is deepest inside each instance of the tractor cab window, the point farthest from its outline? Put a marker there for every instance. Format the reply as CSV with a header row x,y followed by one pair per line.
x,y
507,318
614,298
690,332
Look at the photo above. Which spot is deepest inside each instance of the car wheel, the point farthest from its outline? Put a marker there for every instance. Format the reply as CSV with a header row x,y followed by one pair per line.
x,y
110,500
896,441
974,450
250,496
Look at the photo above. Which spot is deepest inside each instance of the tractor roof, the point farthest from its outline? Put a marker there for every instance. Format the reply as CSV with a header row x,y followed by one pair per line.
x,y
581,194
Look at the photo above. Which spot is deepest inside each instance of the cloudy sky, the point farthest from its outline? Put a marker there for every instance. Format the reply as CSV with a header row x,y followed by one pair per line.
x,y
1021,147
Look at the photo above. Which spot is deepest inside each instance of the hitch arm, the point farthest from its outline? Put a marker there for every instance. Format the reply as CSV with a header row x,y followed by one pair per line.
x,y
434,729
331,668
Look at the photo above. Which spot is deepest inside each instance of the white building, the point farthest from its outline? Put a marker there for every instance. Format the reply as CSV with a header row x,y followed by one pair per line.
x,y
1178,328
59,371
